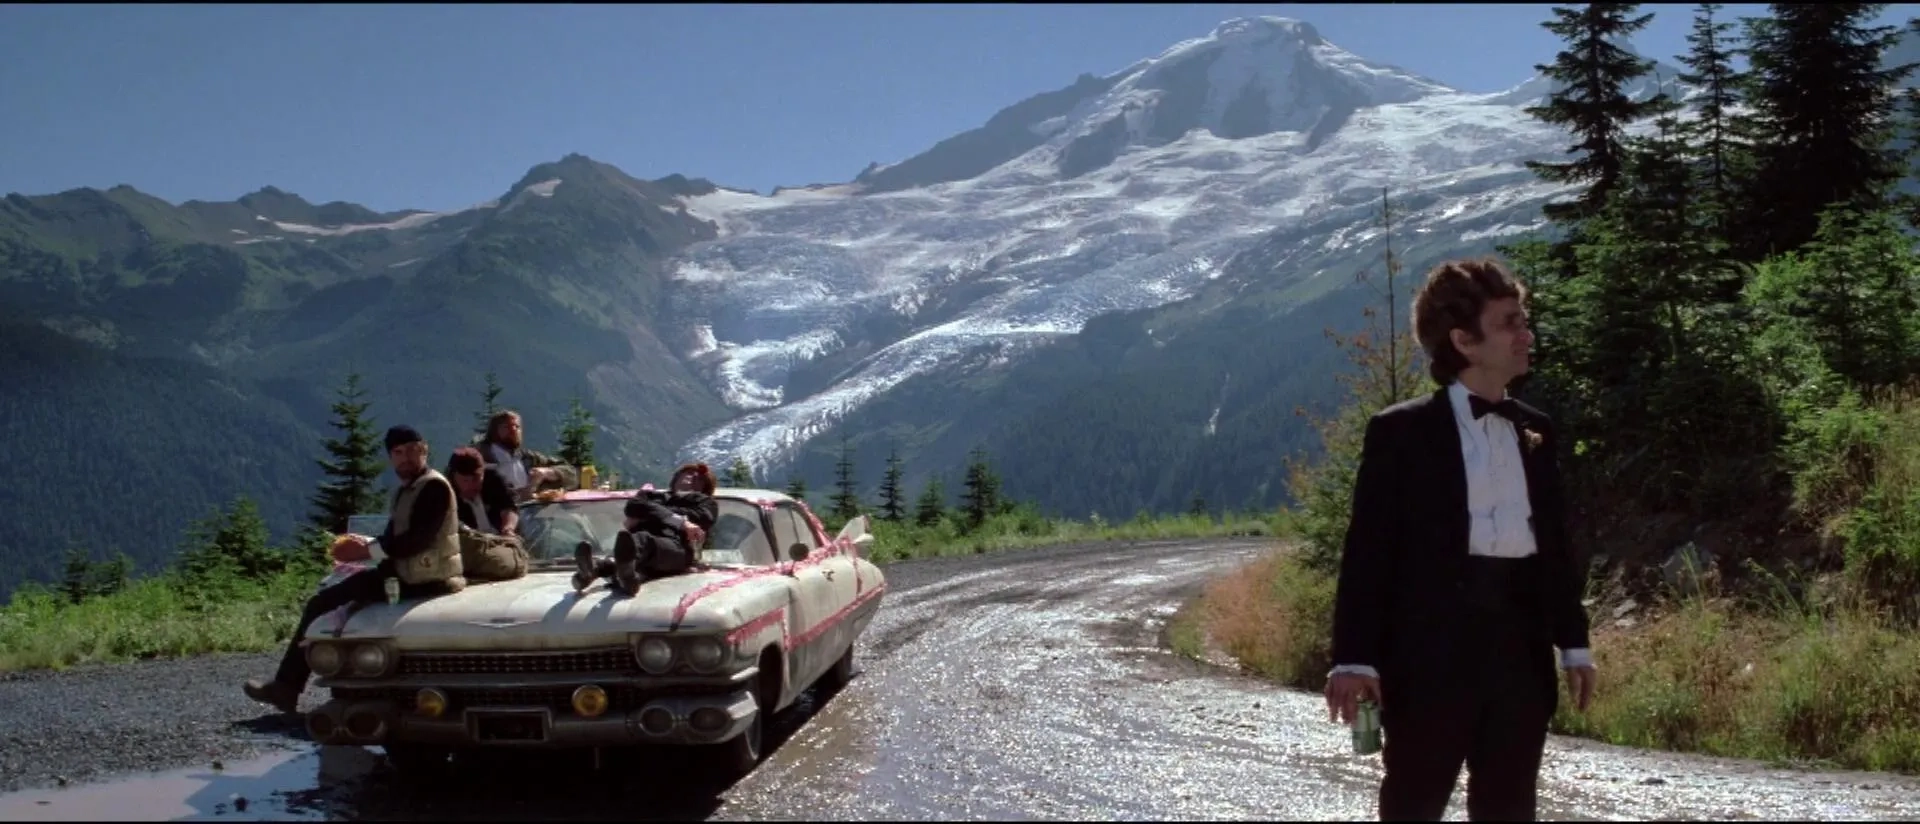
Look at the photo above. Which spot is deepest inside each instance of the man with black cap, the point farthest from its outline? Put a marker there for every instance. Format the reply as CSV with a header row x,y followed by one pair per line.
x,y
420,546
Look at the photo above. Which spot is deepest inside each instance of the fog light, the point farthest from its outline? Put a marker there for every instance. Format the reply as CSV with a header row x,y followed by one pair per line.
x,y
323,659
656,721
708,719
430,702
320,727
590,701
364,725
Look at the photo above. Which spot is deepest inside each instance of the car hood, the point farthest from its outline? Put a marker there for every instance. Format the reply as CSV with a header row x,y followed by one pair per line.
x,y
542,610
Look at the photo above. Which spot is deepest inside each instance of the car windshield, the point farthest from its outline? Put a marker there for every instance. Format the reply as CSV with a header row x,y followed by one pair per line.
x,y
551,529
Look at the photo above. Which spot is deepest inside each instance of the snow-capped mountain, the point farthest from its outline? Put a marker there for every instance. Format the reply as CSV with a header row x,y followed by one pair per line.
x,y
1115,194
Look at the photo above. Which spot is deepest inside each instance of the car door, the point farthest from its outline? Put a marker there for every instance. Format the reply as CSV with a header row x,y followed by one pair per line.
x,y
813,603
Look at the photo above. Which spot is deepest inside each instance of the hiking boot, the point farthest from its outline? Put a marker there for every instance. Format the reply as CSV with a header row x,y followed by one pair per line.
x,y
625,552
583,566
281,696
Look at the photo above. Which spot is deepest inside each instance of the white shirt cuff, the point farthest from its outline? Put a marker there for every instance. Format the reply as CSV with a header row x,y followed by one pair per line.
x,y
679,522
374,551
1581,657
1355,669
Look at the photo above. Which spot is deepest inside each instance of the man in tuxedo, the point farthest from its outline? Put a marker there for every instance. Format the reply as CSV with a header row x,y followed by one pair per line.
x,y
1457,580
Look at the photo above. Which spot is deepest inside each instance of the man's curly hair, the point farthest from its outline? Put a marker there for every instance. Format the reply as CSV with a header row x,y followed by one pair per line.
x,y
1455,294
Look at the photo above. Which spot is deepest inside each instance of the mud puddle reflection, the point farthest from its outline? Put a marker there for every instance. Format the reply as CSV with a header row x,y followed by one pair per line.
x,y
334,783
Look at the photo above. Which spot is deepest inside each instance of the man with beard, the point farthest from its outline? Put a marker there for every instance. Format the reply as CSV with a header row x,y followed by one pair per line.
x,y
662,530
523,469
1457,580
420,546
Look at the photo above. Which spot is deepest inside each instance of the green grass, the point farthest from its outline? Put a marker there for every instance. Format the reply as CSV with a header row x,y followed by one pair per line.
x,y
1789,683
160,618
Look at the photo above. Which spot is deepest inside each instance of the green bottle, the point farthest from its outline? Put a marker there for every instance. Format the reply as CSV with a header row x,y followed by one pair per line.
x,y
1366,729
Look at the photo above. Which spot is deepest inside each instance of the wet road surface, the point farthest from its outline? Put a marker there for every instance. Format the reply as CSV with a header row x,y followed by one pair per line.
x,y
1029,685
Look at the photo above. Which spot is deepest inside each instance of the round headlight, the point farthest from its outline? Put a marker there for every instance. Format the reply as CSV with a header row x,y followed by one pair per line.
x,y
369,659
323,659
655,655
704,653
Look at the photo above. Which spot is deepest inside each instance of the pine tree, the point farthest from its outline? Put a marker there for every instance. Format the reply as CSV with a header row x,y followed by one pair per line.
x,y
846,495
796,488
981,496
76,575
489,404
356,465
233,541
932,505
1593,72
1718,149
739,475
892,507
576,435
1824,113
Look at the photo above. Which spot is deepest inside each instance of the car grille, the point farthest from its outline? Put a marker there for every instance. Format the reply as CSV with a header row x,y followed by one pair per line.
x,y
621,698
612,659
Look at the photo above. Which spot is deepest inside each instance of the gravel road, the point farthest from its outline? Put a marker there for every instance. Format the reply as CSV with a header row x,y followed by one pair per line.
x,y
1029,685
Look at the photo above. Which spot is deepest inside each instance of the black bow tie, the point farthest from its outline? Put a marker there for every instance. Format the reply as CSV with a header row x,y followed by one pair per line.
x,y
1506,408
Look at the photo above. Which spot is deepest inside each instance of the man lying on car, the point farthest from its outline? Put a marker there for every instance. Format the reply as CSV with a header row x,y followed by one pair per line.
x,y
662,531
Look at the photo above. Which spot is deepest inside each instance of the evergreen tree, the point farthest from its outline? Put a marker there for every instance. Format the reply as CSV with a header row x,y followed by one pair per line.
x,y
1824,113
233,542
1718,150
77,574
932,505
892,507
739,475
846,495
981,496
357,460
576,435
1197,507
1593,72
796,488
489,404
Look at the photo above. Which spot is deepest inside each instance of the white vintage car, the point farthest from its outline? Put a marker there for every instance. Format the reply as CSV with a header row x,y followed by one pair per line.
x,y
696,659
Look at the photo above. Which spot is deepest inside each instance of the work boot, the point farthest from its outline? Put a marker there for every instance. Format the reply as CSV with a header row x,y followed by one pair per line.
x,y
281,696
583,566
625,571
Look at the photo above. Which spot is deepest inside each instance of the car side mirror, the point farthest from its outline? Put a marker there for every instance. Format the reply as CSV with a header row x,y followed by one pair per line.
x,y
799,551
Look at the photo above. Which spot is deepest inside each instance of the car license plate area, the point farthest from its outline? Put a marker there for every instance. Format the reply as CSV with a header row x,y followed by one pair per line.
x,y
509,726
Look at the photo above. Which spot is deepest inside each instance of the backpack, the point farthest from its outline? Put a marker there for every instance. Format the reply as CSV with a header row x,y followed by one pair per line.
x,y
487,557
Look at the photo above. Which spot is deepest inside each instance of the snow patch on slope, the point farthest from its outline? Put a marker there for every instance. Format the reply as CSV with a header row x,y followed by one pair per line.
x,y
982,270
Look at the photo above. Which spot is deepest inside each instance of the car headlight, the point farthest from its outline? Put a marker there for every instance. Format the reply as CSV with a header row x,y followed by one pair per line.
x,y
704,653
370,660
323,659
656,655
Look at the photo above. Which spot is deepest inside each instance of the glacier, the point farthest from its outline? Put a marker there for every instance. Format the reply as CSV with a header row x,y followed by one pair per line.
x,y
1040,244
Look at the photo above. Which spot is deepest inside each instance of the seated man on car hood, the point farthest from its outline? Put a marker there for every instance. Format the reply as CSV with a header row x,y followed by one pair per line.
x,y
420,547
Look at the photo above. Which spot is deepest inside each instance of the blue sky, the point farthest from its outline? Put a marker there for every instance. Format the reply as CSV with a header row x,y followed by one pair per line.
x,y
443,106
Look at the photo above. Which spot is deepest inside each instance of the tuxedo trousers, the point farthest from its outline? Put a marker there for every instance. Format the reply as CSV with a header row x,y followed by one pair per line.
x,y
1489,713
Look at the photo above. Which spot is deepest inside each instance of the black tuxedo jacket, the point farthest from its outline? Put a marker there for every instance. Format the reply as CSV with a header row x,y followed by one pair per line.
x,y
1400,602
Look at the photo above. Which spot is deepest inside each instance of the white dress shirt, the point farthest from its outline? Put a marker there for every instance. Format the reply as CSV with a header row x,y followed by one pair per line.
x,y
1497,500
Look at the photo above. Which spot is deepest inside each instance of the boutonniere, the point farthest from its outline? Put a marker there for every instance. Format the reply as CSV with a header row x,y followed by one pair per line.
x,y
1530,438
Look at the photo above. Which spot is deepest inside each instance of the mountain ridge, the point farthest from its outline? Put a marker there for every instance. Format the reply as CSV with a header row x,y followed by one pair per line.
x,y
1000,289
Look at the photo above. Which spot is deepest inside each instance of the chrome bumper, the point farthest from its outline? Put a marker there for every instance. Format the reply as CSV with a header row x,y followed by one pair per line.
x,y
661,721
